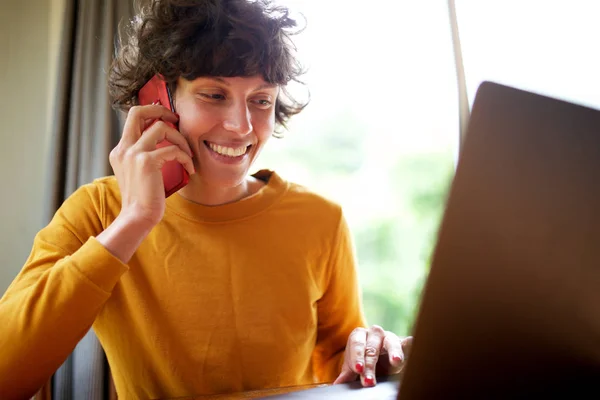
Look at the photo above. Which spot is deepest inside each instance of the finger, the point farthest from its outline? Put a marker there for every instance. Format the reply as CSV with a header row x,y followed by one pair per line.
x,y
150,121
374,345
160,131
357,342
392,344
170,153
138,116
347,375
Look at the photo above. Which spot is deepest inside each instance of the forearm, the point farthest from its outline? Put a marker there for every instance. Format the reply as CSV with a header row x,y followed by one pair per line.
x,y
43,321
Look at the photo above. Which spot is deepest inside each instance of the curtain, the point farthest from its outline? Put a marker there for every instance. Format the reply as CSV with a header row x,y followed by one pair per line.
x,y
83,130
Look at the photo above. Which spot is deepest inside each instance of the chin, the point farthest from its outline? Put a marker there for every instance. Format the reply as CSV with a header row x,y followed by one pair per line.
x,y
223,179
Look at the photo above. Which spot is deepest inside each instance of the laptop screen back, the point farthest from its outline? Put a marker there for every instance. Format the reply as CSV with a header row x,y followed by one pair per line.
x,y
511,307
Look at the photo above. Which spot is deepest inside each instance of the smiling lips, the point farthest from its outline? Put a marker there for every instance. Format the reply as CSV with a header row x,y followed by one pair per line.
x,y
228,151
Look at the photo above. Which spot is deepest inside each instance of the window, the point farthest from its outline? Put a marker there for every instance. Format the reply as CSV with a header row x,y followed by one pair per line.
x,y
548,47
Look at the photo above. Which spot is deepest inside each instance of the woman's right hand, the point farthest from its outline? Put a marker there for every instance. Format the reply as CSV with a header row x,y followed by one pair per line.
x,y
137,162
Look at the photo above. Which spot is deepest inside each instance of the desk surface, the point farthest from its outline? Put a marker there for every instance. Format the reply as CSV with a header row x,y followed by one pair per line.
x,y
386,389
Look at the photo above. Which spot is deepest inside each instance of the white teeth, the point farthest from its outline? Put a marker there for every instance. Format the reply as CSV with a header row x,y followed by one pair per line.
x,y
228,151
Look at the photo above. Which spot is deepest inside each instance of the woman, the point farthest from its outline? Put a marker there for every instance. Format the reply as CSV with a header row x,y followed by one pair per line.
x,y
237,282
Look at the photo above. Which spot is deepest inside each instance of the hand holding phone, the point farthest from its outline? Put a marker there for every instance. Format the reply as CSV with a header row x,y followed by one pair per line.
x,y
156,91
152,160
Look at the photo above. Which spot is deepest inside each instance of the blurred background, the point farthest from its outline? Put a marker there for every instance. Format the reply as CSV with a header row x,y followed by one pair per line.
x,y
380,136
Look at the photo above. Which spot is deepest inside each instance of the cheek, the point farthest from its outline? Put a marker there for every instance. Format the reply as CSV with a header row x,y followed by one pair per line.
x,y
194,122
264,128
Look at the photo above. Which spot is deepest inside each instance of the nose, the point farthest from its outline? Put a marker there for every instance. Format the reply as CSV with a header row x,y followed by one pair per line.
x,y
238,119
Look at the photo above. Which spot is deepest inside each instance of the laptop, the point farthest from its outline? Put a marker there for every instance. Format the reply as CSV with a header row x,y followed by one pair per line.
x,y
511,305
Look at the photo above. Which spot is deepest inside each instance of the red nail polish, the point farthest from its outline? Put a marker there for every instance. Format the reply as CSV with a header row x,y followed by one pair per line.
x,y
359,367
369,380
397,357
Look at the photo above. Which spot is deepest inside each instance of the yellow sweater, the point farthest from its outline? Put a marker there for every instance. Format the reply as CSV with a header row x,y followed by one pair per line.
x,y
254,294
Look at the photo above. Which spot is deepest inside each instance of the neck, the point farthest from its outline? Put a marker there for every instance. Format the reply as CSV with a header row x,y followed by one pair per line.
x,y
203,193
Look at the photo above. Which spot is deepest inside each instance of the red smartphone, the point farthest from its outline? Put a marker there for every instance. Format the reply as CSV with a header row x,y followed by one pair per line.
x,y
156,91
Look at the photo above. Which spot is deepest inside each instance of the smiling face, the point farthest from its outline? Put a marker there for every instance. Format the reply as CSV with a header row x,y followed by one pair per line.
x,y
226,121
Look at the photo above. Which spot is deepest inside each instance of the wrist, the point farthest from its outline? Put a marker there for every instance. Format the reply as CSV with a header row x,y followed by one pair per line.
x,y
123,237
134,223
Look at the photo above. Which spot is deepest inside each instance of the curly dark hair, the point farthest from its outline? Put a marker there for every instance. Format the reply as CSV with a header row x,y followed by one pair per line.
x,y
194,38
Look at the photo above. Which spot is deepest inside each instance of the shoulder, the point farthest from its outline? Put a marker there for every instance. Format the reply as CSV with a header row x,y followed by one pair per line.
x,y
101,191
312,200
106,187
81,215
100,197
311,206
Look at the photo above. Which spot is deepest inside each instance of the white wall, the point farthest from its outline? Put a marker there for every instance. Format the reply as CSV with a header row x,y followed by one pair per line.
x,y
29,32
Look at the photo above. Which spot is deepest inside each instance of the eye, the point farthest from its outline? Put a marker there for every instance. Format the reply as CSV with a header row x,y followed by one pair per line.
x,y
263,103
213,96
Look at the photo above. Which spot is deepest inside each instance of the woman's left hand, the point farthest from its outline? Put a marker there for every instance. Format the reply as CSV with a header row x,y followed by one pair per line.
x,y
371,352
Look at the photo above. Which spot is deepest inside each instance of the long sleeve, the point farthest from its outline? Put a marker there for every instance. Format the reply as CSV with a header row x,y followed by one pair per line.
x,y
340,308
55,298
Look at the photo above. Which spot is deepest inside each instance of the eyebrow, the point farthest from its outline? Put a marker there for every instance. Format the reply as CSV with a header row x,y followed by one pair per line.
x,y
267,86
261,87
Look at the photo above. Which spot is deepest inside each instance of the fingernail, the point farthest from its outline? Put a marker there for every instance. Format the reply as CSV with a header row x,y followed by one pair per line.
x,y
397,357
359,367
177,115
157,101
369,380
